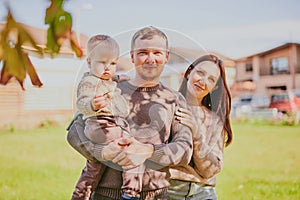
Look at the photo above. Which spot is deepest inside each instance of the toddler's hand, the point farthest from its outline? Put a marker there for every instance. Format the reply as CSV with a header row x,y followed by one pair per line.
x,y
88,192
99,102
124,142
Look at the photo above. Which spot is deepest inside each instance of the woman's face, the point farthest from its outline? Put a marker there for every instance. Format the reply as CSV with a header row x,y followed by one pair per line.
x,y
203,79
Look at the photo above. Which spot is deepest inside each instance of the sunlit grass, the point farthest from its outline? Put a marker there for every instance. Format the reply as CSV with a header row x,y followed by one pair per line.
x,y
263,162
37,164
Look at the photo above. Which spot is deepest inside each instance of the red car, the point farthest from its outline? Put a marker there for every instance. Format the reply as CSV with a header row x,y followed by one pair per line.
x,y
285,102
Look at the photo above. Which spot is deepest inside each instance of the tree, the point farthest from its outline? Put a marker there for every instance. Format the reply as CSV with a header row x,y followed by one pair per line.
x,y
16,62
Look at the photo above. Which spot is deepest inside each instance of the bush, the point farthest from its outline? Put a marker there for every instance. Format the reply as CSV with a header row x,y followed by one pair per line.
x,y
287,119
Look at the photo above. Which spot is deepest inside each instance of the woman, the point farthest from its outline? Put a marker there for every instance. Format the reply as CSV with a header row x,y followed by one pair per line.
x,y
208,98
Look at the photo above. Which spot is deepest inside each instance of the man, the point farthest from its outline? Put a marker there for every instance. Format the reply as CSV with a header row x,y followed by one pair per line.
x,y
159,140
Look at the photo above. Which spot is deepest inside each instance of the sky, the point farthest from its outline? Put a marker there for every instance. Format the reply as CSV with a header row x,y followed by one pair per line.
x,y
233,28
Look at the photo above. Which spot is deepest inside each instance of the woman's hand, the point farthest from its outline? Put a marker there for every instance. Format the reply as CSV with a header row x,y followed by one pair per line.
x,y
185,117
134,155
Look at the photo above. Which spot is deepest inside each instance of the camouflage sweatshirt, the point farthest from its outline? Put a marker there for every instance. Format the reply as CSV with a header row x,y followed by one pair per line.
x,y
89,87
208,141
152,120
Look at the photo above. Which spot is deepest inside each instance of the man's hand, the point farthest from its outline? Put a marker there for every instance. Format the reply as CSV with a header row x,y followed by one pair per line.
x,y
134,155
110,151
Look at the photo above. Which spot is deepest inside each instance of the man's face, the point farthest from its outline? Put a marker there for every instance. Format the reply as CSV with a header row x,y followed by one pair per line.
x,y
149,57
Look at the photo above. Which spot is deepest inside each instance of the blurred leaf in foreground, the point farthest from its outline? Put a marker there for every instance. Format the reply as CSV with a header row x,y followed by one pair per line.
x,y
60,29
16,62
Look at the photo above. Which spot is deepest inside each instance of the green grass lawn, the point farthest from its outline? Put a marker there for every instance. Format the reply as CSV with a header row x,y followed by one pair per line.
x,y
263,162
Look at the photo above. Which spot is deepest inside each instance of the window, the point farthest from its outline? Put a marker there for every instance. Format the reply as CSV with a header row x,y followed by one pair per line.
x,y
279,65
249,67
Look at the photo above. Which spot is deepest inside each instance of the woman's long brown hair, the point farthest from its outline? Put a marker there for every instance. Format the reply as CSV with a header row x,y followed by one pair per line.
x,y
219,100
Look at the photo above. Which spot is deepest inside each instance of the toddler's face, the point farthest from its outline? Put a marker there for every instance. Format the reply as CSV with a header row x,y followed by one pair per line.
x,y
103,62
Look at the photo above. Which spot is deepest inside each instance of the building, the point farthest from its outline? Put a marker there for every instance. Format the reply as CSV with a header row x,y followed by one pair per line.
x,y
54,101
268,72
179,60
50,103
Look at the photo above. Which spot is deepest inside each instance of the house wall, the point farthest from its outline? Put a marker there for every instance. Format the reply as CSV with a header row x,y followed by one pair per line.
x,y
256,63
34,106
298,60
12,99
265,68
264,83
261,74
241,73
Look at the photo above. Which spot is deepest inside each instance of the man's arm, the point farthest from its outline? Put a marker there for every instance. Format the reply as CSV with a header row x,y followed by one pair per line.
x,y
177,152
180,147
81,143
134,155
91,151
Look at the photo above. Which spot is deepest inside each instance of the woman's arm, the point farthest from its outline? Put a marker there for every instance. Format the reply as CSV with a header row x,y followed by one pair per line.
x,y
208,151
179,149
208,146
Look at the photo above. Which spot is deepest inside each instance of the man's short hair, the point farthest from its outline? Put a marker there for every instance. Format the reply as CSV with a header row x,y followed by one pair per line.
x,y
148,33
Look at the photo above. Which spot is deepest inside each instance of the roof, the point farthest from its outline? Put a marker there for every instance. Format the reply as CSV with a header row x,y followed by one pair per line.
x,y
193,54
40,37
278,48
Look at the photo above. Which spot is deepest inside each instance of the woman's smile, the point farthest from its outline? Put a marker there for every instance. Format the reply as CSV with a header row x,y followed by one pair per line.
x,y
199,86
